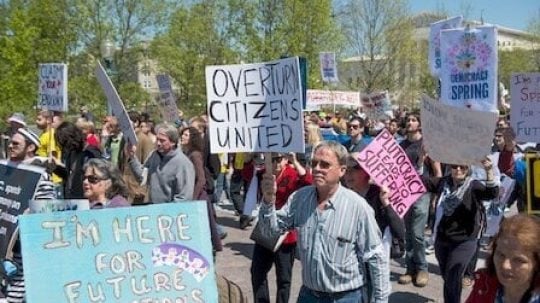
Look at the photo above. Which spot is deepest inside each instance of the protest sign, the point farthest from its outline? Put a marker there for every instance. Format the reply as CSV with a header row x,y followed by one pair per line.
x,y
18,184
388,165
255,107
53,85
532,162
328,67
167,101
317,98
49,206
456,135
116,105
525,109
469,68
156,253
377,106
434,55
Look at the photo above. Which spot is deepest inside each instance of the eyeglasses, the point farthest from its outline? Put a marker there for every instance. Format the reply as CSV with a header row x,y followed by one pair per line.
x,y
462,167
354,126
93,179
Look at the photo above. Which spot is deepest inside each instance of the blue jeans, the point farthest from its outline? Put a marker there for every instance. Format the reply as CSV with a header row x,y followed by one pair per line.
x,y
308,296
415,224
221,185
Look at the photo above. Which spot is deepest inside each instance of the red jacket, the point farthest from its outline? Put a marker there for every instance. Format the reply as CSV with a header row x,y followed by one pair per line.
x,y
485,288
288,181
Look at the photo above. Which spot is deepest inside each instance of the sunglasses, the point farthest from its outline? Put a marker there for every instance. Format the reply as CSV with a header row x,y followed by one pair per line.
x,y
277,159
354,126
93,179
462,167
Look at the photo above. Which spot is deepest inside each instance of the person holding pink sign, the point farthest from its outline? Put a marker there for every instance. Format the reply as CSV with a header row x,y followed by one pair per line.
x,y
459,221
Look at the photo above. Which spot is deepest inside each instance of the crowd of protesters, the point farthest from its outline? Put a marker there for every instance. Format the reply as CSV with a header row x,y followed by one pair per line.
x,y
339,223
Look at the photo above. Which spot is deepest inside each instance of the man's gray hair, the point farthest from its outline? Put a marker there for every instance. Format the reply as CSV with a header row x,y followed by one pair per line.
x,y
170,131
339,150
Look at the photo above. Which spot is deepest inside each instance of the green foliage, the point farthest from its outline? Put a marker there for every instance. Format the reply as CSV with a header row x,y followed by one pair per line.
x,y
515,61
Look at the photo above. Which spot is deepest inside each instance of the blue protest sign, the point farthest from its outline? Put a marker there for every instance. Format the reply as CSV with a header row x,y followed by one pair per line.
x,y
156,253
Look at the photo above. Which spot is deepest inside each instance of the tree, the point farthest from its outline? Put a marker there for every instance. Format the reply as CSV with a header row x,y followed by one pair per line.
x,y
379,32
534,29
33,32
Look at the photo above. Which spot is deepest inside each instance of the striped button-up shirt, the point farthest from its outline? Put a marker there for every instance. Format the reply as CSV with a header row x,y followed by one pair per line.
x,y
336,245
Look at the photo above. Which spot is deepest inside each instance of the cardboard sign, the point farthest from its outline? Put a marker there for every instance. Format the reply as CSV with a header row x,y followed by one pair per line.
x,y
116,105
434,55
328,67
255,107
469,68
155,253
532,162
455,135
49,206
18,183
525,110
166,101
377,106
317,98
53,85
388,165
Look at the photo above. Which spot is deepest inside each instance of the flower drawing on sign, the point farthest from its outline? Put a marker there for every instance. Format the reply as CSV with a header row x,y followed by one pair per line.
x,y
470,53
183,257
465,60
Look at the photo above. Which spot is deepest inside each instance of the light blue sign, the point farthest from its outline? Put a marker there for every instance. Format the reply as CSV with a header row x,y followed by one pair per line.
x,y
156,253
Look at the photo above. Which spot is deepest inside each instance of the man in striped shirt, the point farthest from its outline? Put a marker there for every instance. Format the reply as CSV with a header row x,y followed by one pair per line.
x,y
22,152
339,240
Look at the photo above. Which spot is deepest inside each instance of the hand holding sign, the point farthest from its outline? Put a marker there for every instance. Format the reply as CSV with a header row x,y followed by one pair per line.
x,y
269,187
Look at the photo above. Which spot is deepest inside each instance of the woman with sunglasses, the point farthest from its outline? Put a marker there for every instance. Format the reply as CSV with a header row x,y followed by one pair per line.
x,y
459,221
103,185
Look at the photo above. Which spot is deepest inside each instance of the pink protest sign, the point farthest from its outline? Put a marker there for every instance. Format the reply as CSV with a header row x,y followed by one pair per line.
x,y
388,165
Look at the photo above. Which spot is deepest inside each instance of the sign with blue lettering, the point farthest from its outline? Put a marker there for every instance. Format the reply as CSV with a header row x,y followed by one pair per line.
x,y
434,54
53,85
155,253
18,184
469,68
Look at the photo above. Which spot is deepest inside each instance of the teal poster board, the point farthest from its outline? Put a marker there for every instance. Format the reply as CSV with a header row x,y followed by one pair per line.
x,y
156,253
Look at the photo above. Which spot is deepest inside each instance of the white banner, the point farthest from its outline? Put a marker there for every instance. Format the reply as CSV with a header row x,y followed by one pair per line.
x,y
434,55
469,68
167,101
116,105
377,106
53,86
255,107
456,135
525,109
316,97
328,67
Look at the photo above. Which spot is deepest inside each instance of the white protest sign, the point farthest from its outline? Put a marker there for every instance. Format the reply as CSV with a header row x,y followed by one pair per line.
x,y
456,135
167,101
525,110
469,68
434,54
255,107
53,85
316,97
377,106
115,103
328,67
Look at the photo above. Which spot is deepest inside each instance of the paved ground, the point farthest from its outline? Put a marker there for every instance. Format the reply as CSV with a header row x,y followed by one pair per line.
x,y
235,261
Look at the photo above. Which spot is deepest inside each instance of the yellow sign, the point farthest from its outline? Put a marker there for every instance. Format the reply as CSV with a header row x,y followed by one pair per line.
x,y
533,183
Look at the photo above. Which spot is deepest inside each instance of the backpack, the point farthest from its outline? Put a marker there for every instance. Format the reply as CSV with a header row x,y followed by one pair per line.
x,y
229,292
